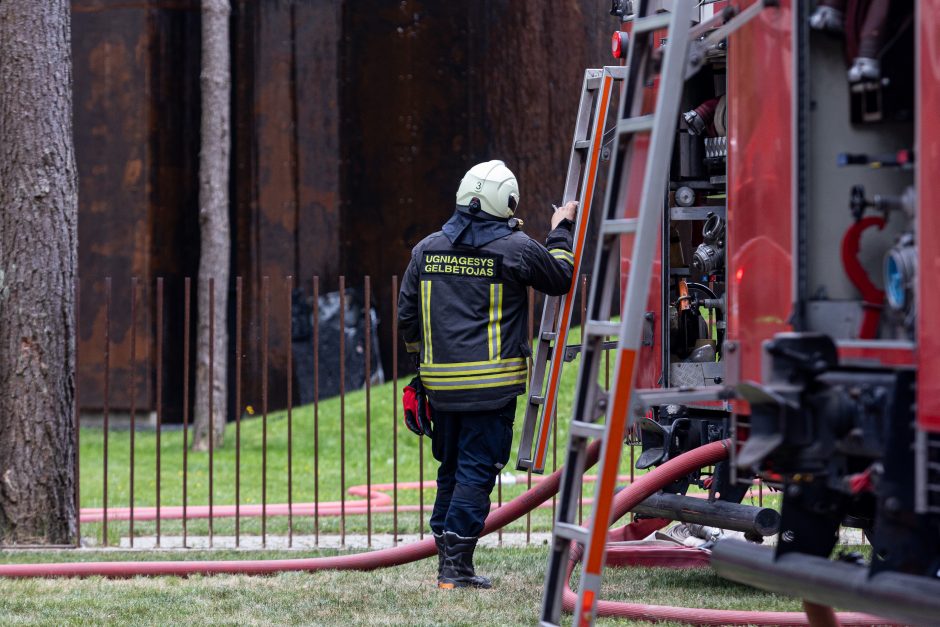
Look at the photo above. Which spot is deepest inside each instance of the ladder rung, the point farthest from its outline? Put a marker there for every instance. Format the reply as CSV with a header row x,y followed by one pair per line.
x,y
636,125
572,532
600,328
653,22
584,144
586,429
620,225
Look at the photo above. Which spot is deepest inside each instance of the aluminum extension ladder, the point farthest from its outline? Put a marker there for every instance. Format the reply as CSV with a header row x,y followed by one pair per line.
x,y
586,148
632,214
639,168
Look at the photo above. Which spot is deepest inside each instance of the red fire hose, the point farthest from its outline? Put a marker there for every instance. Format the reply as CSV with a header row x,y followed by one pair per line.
x,y
630,497
512,510
624,501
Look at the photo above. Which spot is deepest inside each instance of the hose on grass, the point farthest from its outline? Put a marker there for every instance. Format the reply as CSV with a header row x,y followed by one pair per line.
x,y
617,554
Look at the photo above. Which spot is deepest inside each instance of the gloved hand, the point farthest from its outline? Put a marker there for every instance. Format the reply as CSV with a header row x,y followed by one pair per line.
x,y
568,211
417,410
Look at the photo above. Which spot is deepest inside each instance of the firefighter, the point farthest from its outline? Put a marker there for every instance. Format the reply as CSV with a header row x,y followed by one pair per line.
x,y
463,313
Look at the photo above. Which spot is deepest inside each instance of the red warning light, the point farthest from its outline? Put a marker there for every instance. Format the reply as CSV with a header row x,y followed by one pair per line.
x,y
618,44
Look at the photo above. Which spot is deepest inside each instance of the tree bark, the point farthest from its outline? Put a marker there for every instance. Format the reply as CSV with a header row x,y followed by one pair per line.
x,y
215,242
38,252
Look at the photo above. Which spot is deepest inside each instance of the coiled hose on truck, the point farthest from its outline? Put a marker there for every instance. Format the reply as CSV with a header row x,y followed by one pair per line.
x,y
624,501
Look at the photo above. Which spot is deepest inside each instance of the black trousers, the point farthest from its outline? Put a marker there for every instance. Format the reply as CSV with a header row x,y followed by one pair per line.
x,y
472,447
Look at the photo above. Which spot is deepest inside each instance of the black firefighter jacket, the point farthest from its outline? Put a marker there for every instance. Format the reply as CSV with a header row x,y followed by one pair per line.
x,y
463,307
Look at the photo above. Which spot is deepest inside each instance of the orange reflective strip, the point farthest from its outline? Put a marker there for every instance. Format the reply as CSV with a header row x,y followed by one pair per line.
x,y
587,608
617,421
567,302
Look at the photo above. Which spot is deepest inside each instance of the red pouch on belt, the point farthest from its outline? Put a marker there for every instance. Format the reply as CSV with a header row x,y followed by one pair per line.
x,y
417,410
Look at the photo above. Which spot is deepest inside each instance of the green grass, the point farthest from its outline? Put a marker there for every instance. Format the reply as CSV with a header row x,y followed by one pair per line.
x,y
394,596
411,452
381,463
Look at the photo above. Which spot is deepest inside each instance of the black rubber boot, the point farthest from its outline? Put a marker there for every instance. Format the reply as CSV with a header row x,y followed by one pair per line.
x,y
439,541
457,569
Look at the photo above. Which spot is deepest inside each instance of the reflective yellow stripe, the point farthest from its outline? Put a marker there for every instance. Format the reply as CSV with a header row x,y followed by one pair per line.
x,y
473,376
514,380
470,364
499,320
493,339
426,314
428,371
563,255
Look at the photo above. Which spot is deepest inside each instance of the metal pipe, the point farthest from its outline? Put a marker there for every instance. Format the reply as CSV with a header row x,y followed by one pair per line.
x,y
722,514
819,580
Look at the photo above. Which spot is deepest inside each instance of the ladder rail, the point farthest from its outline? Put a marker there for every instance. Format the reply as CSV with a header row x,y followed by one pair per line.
x,y
557,311
566,305
550,305
590,401
654,179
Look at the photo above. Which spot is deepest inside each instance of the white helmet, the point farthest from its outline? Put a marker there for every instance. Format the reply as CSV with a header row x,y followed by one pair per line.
x,y
494,185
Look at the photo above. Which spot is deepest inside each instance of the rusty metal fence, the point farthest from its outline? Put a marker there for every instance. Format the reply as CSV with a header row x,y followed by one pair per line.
x,y
177,506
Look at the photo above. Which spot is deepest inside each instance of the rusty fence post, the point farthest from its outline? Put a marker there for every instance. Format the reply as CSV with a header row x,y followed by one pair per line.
x,y
368,354
395,410
133,392
211,403
265,310
290,415
106,408
342,410
238,408
159,395
316,410
77,422
187,309
528,475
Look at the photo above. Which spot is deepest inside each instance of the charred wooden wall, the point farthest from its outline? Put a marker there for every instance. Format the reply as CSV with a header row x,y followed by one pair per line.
x,y
430,88
353,123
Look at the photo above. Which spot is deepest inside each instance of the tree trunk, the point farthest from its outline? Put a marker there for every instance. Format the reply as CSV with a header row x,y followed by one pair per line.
x,y
38,253
215,241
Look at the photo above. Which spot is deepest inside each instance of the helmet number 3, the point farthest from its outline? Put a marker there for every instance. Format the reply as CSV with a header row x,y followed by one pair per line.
x,y
479,186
